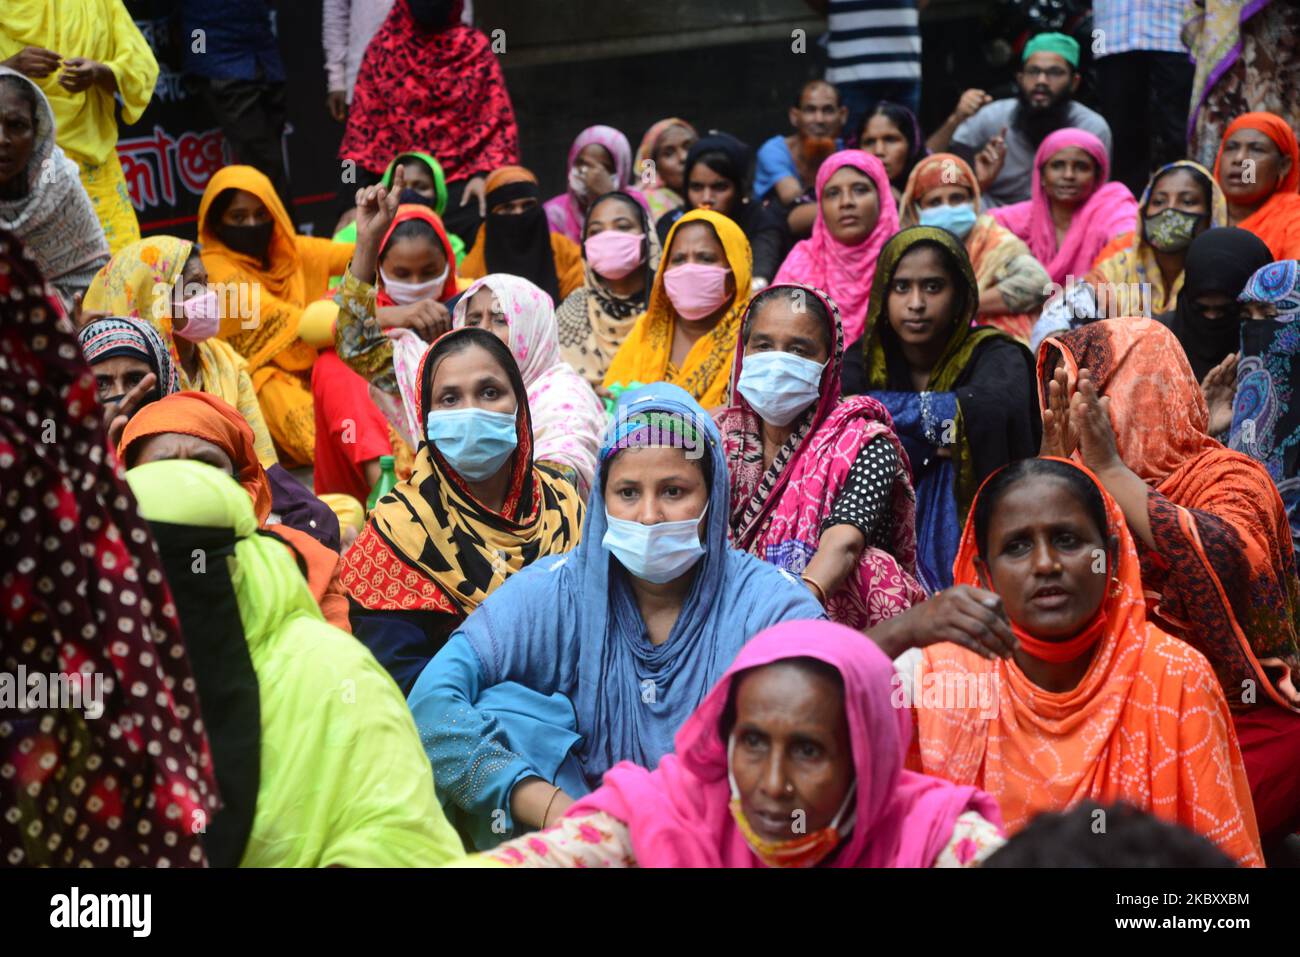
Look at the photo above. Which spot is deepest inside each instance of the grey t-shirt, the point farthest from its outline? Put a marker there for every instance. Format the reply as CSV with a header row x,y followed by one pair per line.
x,y
1014,182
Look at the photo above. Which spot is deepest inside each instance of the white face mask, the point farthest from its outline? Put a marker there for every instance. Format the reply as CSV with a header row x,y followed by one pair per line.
x,y
405,293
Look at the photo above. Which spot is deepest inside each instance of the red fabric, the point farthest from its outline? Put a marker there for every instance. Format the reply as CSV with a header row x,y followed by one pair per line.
x,y
443,91
1270,740
345,411
411,211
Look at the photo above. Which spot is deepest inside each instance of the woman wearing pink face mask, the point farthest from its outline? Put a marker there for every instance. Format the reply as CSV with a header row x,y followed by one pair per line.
x,y
620,252
689,331
162,280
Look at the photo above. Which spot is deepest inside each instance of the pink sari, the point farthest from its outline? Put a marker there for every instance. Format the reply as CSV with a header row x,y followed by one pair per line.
x,y
679,814
777,515
1108,212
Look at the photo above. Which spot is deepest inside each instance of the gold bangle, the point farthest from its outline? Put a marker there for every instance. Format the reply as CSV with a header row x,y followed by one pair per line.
x,y
817,589
548,806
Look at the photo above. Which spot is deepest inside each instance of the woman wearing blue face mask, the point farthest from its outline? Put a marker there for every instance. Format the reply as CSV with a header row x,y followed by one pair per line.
x,y
820,485
475,510
943,191
599,656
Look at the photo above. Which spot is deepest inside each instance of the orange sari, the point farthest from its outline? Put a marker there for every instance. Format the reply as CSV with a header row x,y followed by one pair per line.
x,y
1222,575
262,308
1147,724
1277,221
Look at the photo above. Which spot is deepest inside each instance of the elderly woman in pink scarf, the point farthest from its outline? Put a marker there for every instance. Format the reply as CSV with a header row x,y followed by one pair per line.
x,y
600,161
845,801
856,215
568,419
1072,212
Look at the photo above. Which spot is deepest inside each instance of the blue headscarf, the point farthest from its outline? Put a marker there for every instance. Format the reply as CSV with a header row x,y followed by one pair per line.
x,y
565,633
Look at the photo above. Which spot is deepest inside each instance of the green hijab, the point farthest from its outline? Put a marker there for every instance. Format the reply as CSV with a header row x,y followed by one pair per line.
x,y
343,777
961,345
348,234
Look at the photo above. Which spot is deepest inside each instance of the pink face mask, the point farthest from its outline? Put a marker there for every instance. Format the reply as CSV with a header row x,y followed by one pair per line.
x,y
696,290
614,254
202,317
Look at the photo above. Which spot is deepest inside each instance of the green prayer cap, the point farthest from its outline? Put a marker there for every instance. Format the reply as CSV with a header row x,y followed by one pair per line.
x,y
1058,43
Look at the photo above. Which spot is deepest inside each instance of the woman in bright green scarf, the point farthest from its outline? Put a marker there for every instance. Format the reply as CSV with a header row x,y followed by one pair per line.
x,y
317,757
963,398
424,176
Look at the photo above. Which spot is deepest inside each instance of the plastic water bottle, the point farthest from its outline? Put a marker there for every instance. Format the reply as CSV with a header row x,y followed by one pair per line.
x,y
387,479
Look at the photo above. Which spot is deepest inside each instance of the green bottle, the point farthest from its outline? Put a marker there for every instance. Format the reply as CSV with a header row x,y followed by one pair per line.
x,y
387,479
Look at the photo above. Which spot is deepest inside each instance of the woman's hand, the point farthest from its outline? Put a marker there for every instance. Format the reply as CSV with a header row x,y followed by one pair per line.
x,y
427,318
35,62
598,179
1058,435
81,73
964,615
376,207
477,188
536,804
1220,388
1090,419
117,414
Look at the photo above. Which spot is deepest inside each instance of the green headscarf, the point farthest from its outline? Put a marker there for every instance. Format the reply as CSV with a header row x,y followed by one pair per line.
x,y
961,345
348,234
1058,43
344,779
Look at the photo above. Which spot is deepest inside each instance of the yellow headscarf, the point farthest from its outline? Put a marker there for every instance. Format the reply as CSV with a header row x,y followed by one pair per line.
x,y
138,281
645,355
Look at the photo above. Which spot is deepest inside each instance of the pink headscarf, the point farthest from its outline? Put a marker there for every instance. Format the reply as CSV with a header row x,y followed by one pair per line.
x,y
564,213
679,814
846,272
1109,211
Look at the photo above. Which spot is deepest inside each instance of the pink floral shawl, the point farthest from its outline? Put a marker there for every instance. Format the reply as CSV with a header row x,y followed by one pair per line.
x,y
1109,211
564,213
679,814
777,515
846,272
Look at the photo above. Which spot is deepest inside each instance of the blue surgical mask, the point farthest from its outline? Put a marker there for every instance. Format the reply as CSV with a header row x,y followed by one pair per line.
x,y
654,553
780,385
475,442
956,219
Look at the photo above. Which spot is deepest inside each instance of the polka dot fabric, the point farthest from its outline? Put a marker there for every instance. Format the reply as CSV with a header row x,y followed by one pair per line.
x,y
83,601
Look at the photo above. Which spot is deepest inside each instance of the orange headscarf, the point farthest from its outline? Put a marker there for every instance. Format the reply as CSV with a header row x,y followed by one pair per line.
x,y
1277,221
214,420
1224,577
407,212
1147,724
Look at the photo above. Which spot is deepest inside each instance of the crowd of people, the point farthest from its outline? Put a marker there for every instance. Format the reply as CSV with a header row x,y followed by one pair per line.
x,y
869,499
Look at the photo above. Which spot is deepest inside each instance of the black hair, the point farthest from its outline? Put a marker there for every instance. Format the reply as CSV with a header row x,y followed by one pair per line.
x,y
638,211
1117,835
414,228
465,338
722,164
1207,190
26,91
905,121
814,666
1084,489
798,298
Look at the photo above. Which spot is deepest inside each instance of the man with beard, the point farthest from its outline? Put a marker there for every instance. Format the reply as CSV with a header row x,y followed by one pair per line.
x,y
1047,81
787,165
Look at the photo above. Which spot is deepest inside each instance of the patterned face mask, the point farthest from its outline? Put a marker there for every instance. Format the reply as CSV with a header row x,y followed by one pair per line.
x,y
1171,230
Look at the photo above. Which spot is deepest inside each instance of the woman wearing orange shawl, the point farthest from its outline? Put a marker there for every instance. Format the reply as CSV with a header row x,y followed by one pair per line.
x,y
1093,702
201,426
266,275
1213,536
943,191
1258,167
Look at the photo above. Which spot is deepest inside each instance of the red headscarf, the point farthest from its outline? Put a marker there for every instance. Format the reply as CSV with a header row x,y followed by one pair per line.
x,y
1277,221
405,213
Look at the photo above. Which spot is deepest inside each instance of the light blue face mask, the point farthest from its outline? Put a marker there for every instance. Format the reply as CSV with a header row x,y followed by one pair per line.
x,y
780,385
957,219
654,553
475,442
